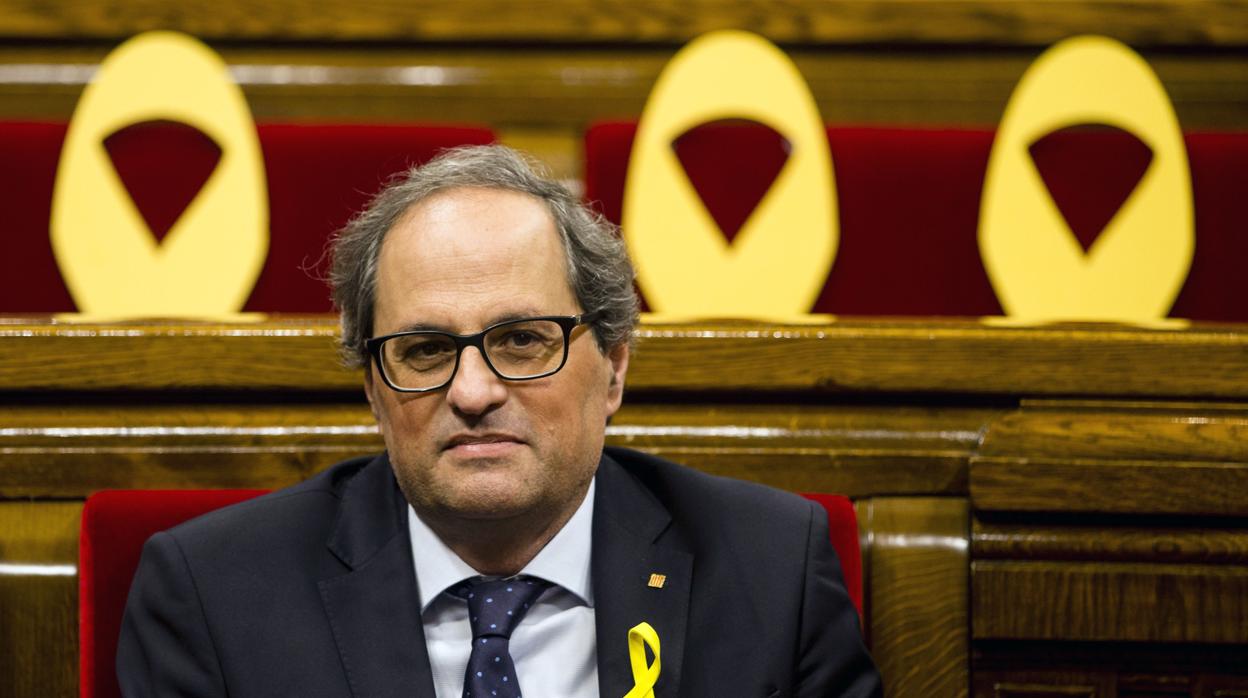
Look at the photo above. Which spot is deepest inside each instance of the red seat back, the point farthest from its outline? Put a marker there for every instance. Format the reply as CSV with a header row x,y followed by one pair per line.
x,y
115,524
317,176
909,200
843,530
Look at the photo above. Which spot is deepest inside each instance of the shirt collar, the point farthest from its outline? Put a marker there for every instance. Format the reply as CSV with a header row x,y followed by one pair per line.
x,y
564,560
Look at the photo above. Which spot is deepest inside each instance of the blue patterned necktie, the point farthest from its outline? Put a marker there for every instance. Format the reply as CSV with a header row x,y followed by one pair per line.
x,y
495,608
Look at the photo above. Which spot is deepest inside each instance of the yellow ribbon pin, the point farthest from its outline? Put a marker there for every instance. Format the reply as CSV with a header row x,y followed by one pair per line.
x,y
644,677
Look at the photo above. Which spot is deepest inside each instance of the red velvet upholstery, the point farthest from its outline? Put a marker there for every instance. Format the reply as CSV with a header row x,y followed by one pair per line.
x,y
909,206
115,524
843,530
318,175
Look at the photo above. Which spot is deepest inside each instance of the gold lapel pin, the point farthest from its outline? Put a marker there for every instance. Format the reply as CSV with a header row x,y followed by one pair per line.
x,y
657,581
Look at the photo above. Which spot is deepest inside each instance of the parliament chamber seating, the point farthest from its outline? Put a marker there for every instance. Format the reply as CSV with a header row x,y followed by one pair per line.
x,y
1051,508
317,176
1044,510
909,205
115,523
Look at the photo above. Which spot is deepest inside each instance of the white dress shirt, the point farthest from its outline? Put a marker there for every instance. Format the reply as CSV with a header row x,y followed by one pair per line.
x,y
554,647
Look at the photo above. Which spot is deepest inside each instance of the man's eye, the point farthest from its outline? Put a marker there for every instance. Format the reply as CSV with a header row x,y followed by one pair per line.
x,y
520,339
429,348
423,351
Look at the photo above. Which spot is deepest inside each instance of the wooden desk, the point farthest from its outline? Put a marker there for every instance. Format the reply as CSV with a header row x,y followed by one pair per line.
x,y
1045,511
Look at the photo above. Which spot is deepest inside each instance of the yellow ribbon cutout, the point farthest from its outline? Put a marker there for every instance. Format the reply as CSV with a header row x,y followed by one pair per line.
x,y
779,261
644,677
1138,264
209,261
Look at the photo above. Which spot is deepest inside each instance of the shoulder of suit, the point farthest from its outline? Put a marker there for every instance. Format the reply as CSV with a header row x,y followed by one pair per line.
x,y
681,487
316,497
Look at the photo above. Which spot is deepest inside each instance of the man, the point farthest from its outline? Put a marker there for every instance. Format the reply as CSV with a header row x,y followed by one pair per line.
x,y
496,547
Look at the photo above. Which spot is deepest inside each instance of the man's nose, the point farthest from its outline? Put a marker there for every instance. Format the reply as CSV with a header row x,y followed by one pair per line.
x,y
475,389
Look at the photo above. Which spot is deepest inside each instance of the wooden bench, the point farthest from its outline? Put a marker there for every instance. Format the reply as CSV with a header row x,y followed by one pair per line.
x,y
1053,510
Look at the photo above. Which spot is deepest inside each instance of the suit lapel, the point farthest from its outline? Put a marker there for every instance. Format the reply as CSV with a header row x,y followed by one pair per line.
x,y
629,546
374,609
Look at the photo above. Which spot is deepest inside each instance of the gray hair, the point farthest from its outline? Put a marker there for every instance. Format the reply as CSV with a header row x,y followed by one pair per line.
x,y
599,271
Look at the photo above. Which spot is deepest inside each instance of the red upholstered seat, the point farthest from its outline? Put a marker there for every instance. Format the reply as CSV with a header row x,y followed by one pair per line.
x,y
843,530
909,203
318,175
116,523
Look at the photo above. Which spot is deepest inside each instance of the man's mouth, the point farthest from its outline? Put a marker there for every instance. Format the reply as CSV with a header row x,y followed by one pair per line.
x,y
482,444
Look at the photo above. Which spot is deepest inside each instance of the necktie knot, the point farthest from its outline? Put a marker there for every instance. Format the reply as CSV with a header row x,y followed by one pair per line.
x,y
496,606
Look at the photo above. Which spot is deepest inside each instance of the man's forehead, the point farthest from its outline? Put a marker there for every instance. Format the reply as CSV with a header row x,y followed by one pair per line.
x,y
471,222
473,201
491,254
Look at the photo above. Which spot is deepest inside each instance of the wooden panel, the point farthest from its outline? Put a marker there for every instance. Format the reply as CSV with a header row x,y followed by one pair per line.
x,y
935,356
39,598
60,451
1182,22
1222,687
1109,543
1116,458
1109,602
1110,486
550,93
858,356
261,355
1136,670
1048,687
857,451
915,565
1117,430
1043,690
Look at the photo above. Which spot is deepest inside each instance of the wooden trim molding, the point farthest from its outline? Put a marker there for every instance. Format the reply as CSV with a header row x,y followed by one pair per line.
x,y
1144,22
836,357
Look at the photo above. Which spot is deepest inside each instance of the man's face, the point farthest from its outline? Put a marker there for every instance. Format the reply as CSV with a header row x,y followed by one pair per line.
x,y
482,447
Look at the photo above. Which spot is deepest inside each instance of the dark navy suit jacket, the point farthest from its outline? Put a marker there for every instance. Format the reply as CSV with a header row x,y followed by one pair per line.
x,y
310,591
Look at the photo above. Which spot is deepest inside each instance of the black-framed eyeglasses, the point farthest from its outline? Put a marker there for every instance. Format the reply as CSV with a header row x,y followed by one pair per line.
x,y
516,350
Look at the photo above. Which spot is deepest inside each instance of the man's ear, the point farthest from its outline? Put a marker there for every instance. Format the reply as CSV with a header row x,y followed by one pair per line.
x,y
617,359
369,384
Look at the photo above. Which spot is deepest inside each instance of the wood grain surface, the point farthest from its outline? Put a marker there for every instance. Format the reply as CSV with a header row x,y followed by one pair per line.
x,y
555,92
1115,457
1122,430
915,566
861,356
1105,601
1130,670
1150,22
1101,486
71,451
1104,467
268,354
1117,542
39,598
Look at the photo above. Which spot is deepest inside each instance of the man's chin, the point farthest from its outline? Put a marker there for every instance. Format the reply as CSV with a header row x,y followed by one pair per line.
x,y
488,505
488,489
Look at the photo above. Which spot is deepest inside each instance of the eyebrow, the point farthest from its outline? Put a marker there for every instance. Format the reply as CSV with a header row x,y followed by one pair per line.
x,y
506,317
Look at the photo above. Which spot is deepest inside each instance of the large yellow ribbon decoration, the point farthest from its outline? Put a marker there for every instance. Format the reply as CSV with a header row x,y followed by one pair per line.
x,y
209,261
778,263
644,677
1139,262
